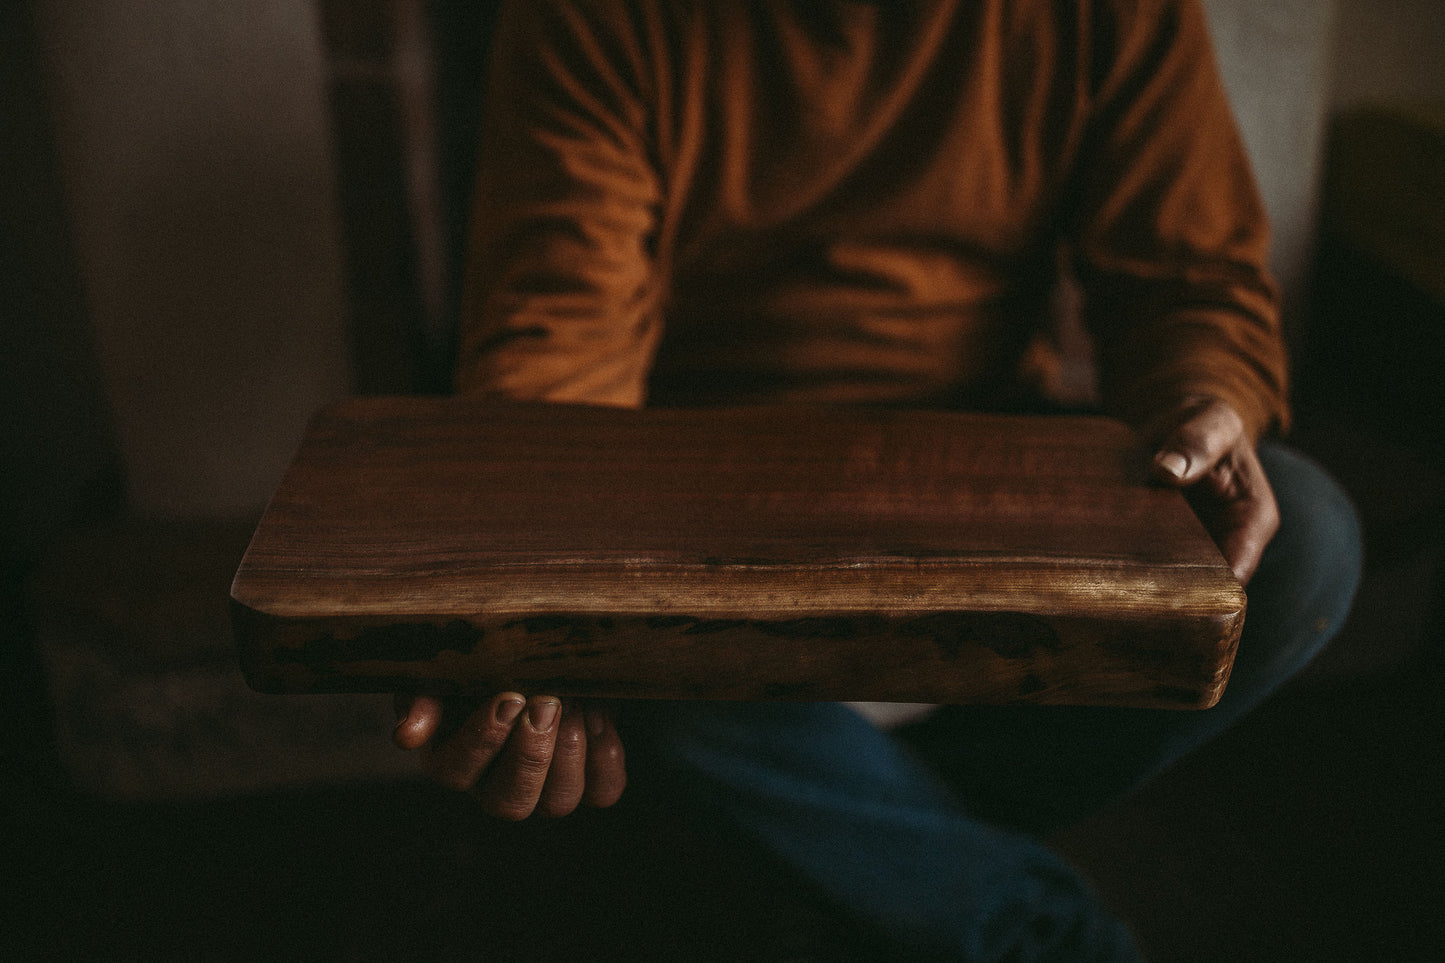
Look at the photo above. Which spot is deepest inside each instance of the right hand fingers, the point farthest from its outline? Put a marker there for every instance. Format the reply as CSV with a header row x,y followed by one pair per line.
x,y
566,779
548,758
464,756
588,766
606,763
512,786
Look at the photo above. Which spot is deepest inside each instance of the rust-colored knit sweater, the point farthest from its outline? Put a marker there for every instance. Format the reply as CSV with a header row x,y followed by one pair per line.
x,y
708,201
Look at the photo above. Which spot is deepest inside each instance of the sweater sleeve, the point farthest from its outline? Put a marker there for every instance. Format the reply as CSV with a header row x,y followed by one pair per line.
x,y
1169,230
560,296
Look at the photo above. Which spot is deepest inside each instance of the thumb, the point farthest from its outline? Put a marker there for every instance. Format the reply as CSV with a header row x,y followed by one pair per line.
x,y
418,718
1196,445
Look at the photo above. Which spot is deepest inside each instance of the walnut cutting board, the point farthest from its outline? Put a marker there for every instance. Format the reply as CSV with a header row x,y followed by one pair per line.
x,y
754,553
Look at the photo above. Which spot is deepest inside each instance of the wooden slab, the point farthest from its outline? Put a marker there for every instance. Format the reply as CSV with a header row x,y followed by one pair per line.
x,y
768,553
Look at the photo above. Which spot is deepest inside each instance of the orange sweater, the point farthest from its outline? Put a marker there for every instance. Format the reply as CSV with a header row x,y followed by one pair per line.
x,y
719,201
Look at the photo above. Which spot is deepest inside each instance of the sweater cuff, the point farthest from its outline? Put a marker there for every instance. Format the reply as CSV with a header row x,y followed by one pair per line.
x,y
1263,412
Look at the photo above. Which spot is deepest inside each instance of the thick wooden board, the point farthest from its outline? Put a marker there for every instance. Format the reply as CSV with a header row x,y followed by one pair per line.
x,y
769,553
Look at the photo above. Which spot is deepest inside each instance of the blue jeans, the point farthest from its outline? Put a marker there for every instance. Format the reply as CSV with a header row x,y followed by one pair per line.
x,y
929,835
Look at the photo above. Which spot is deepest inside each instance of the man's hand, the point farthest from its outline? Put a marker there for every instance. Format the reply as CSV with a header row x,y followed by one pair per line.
x,y
517,755
1203,448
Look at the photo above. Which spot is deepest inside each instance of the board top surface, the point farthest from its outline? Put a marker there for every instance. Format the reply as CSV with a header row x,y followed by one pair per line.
x,y
407,507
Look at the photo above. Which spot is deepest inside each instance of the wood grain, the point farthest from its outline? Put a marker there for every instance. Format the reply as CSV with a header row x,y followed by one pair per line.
x,y
763,553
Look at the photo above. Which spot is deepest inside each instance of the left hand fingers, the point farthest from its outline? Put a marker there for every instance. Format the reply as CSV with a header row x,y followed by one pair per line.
x,y
1195,438
1238,506
1206,450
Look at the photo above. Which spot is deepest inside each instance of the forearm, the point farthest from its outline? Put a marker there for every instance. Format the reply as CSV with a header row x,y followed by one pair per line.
x,y
561,298
1166,346
1170,234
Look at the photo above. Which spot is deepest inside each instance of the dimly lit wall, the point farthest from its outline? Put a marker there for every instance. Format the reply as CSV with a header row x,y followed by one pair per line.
x,y
56,447
1388,50
196,169
1275,58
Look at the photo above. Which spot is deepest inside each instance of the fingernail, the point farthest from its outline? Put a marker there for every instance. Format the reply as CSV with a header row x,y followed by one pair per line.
x,y
1172,463
596,722
508,711
542,714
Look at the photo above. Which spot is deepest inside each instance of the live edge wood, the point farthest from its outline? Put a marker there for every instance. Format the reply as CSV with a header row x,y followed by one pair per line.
x,y
802,554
